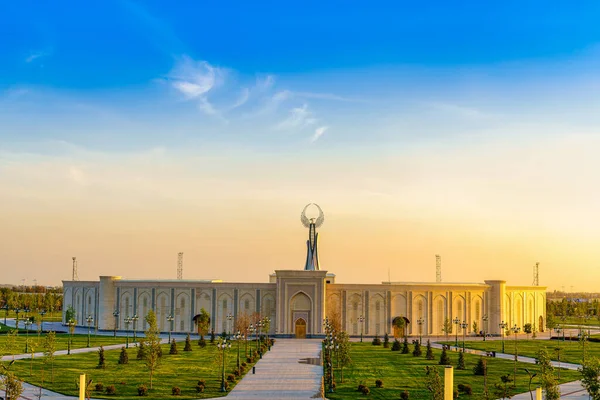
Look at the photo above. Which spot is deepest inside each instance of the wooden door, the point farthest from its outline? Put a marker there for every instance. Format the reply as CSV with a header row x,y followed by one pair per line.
x,y
300,328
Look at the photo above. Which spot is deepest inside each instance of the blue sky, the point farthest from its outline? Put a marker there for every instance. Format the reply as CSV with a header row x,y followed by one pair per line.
x,y
477,117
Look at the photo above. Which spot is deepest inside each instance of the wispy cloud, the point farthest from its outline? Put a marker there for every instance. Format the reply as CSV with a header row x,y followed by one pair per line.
x,y
242,99
299,117
34,55
194,79
318,133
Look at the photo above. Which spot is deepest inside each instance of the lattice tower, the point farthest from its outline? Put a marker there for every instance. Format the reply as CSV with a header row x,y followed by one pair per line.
x,y
180,265
536,274
438,268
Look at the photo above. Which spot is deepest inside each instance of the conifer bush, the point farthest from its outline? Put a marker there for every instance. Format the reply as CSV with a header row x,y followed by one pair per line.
x,y
461,360
188,343
479,368
386,341
417,350
429,353
173,348
123,356
141,352
444,358
396,345
101,358
376,341
405,346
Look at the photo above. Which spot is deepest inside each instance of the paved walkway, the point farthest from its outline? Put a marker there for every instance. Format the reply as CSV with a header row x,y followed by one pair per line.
x,y
280,374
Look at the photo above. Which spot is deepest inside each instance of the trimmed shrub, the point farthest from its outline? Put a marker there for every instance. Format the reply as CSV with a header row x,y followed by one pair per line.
x,y
461,360
466,389
444,359
396,345
111,390
142,390
479,368
417,350
455,394
379,383
429,353
404,395
199,388
226,384
376,341
201,382
188,343
386,340
360,387
244,364
123,357
405,346
366,391
141,353
202,343
173,348
99,387
101,358
176,391
231,378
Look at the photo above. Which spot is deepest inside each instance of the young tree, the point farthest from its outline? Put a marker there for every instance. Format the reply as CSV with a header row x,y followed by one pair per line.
x,y
434,383
49,350
405,346
188,343
447,329
203,322
10,343
344,352
479,368
429,353
476,327
12,386
123,356
547,379
152,341
590,371
503,389
101,358
173,348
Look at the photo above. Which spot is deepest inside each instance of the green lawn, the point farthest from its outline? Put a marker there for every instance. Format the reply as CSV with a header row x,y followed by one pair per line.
x,y
78,341
182,370
404,372
49,316
571,351
578,321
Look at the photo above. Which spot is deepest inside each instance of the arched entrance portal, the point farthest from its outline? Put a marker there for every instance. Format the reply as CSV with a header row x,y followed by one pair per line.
x,y
300,329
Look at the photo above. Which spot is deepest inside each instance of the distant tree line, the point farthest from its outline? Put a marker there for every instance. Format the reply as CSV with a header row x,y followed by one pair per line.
x,y
32,297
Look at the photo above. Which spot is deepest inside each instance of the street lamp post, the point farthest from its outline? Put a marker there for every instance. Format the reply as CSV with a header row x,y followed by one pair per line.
x,y
229,319
259,326
361,319
420,321
251,329
116,315
515,329
485,320
42,313
27,325
134,320
89,321
5,308
170,321
456,322
464,327
71,325
238,337
502,326
127,321
223,345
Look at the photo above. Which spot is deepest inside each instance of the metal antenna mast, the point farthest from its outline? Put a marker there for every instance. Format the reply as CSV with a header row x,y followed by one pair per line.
x,y
180,265
75,277
438,268
536,274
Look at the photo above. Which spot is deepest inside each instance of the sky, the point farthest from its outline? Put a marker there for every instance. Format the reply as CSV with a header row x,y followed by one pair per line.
x,y
132,130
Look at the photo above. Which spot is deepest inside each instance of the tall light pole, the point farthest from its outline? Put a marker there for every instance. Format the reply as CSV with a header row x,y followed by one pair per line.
x,y
456,322
127,321
420,321
134,320
259,326
223,345
238,337
229,319
116,315
27,325
464,327
71,325
42,313
485,320
170,321
515,329
5,308
361,319
251,329
502,325
89,321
